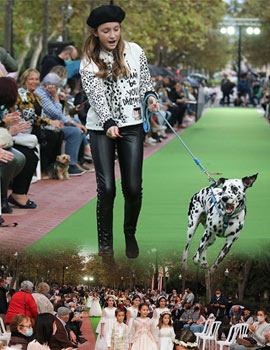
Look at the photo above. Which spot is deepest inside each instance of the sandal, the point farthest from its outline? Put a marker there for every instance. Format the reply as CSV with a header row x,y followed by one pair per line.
x,y
29,204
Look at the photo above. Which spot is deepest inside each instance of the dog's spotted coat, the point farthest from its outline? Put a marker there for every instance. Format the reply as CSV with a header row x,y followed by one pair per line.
x,y
231,202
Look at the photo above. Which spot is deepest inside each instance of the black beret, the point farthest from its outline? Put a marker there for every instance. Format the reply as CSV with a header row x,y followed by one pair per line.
x,y
104,14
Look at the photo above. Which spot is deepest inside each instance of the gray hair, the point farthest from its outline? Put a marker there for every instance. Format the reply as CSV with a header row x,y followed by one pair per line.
x,y
27,285
51,79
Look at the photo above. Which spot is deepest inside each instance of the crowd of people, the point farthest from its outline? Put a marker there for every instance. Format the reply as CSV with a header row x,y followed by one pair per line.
x,y
142,319
251,90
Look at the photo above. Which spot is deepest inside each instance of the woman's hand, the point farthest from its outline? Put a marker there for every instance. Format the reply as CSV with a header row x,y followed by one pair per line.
x,y
21,127
5,156
12,118
81,127
153,105
113,132
57,123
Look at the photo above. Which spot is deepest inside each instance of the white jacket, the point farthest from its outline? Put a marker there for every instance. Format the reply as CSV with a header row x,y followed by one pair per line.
x,y
119,100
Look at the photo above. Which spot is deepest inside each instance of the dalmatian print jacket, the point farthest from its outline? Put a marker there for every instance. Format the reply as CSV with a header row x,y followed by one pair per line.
x,y
120,101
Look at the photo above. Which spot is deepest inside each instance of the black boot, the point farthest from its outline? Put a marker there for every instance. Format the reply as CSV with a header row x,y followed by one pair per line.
x,y
5,206
132,249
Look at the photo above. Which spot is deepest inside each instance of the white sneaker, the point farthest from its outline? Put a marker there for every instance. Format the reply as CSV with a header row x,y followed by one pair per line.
x,y
159,128
187,119
152,140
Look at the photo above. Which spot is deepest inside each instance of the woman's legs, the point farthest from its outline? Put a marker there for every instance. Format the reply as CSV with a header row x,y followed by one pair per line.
x,y
130,152
103,153
22,181
7,172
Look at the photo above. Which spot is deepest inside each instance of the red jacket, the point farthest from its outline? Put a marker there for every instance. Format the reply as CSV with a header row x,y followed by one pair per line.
x,y
21,303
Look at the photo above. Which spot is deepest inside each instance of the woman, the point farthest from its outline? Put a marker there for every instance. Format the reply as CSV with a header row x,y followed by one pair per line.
x,y
47,131
257,331
116,80
44,329
22,302
44,305
21,331
26,156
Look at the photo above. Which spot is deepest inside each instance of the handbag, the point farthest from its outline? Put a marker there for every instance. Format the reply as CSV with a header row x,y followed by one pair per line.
x,y
27,140
5,138
247,341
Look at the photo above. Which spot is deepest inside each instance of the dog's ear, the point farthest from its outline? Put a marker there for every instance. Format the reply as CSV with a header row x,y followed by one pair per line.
x,y
248,180
221,181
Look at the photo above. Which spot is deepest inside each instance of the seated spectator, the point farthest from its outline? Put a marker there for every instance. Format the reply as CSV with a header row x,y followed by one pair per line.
x,y
21,331
74,131
256,331
186,316
44,329
235,313
198,320
177,96
43,303
67,54
47,131
63,337
22,302
23,148
246,317
176,312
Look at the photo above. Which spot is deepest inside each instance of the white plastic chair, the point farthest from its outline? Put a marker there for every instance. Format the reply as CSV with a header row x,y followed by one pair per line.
x,y
4,335
233,334
243,330
204,331
211,335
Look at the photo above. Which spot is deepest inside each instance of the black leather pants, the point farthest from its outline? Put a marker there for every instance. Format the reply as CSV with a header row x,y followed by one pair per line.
x,y
130,153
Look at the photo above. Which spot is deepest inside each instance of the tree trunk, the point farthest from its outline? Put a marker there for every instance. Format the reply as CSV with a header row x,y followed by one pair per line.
x,y
46,17
37,51
242,285
8,36
22,57
208,285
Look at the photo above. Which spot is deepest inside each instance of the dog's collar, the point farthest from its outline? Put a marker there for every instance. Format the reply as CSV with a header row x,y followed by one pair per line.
x,y
226,217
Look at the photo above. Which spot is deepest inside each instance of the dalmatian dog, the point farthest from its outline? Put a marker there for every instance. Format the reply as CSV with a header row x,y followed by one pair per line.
x,y
222,211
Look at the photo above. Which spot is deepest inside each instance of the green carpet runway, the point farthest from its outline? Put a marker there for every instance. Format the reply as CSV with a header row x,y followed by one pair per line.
x,y
232,141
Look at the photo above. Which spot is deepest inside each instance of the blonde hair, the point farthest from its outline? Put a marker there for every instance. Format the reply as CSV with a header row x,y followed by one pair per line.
x,y
91,51
43,288
60,71
26,74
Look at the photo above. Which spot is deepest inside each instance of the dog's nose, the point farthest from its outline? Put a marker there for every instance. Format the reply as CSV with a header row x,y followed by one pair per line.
x,y
225,198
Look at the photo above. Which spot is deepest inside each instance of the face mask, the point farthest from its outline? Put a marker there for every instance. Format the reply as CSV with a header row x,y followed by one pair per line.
x,y
58,91
68,91
29,332
6,285
72,309
67,62
64,82
218,295
260,318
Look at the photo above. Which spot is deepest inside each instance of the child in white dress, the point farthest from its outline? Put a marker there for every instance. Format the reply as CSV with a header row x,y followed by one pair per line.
x,y
165,331
117,338
105,324
95,310
161,307
132,311
143,335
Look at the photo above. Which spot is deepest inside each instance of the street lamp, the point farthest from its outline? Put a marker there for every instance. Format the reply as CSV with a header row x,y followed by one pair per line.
x,y
63,273
228,27
133,278
180,282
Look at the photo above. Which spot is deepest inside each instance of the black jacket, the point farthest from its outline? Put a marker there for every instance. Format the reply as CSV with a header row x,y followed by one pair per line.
x,y
48,63
219,311
3,301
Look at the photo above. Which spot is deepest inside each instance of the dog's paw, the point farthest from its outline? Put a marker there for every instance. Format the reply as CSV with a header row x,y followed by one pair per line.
x,y
196,259
204,265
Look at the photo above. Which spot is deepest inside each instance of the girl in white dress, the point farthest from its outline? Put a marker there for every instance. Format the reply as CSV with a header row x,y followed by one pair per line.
x,y
95,310
161,307
106,321
143,335
117,337
165,332
132,311
89,301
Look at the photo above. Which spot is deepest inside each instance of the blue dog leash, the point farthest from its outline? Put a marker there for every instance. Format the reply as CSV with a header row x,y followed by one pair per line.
x,y
212,181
